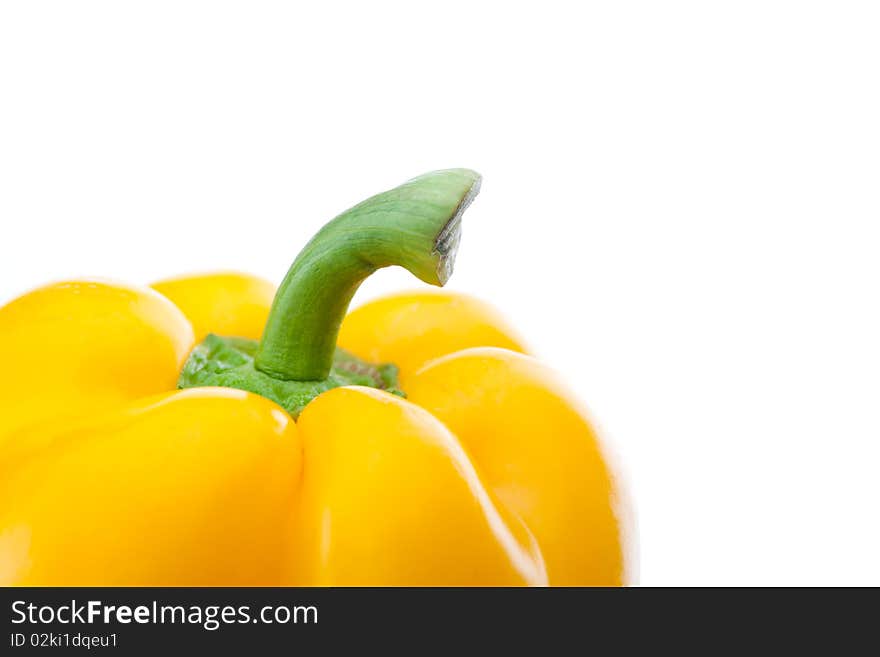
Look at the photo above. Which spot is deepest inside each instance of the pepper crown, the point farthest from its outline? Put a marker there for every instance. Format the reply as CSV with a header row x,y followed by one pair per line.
x,y
416,226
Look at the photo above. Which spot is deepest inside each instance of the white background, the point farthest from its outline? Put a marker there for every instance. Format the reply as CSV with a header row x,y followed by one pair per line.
x,y
680,210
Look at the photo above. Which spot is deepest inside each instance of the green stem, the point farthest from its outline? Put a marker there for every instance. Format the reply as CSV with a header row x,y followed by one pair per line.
x,y
416,226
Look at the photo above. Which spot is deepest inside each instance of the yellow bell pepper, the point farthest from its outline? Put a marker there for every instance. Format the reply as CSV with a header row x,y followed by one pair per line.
x,y
413,443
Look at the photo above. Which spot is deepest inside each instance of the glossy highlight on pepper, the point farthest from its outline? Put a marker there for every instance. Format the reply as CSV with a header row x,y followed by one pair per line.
x,y
210,430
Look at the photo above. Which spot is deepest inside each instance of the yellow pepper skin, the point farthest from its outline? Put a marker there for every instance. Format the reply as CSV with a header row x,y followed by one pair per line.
x,y
226,303
186,488
410,329
390,498
83,346
488,472
539,454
